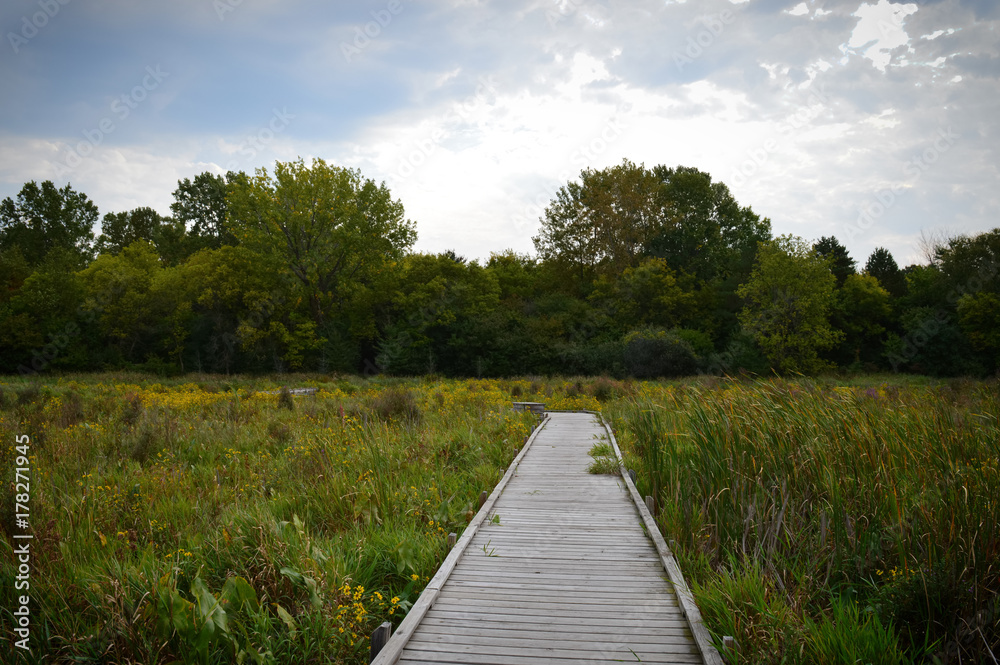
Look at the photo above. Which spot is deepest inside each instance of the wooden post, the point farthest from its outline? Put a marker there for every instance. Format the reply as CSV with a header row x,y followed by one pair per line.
x,y
649,504
452,537
729,650
379,638
482,498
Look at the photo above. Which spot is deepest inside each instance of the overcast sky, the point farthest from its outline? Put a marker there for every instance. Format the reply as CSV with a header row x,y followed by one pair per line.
x,y
870,122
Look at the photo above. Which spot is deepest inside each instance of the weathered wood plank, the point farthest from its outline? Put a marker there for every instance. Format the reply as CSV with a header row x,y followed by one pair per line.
x,y
432,624
499,618
612,652
557,570
495,644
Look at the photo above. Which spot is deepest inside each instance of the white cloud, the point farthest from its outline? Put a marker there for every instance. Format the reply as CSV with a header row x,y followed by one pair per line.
x,y
475,116
880,30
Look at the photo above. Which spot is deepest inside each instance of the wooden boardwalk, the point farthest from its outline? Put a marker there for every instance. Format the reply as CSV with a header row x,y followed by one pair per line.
x,y
556,568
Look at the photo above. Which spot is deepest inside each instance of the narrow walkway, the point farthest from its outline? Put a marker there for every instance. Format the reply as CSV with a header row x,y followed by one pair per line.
x,y
560,571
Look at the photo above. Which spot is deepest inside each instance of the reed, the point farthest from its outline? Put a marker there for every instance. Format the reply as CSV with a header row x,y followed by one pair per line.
x,y
835,500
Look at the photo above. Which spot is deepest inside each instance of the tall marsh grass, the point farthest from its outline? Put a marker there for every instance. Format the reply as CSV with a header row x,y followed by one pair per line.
x,y
221,521
825,523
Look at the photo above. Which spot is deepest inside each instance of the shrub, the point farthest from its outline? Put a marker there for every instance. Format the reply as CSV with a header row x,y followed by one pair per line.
x,y
603,389
28,394
279,431
131,408
396,404
71,411
654,353
285,400
144,445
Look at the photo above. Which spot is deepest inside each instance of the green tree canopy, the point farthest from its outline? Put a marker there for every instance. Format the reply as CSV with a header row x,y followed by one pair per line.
x,y
649,295
979,315
612,218
200,204
121,229
326,225
788,299
883,267
601,224
841,262
119,289
44,218
438,320
862,313
702,229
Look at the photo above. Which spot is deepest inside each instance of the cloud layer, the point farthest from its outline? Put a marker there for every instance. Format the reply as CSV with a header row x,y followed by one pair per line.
x,y
871,121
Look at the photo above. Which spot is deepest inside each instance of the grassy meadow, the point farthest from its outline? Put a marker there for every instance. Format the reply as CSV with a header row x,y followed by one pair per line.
x,y
830,523
213,519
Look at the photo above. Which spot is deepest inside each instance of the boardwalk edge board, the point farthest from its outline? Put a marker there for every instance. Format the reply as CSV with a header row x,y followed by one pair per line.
x,y
393,649
687,603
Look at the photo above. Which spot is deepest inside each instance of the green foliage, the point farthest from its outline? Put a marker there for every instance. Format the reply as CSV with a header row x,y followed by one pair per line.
x,y
207,621
121,229
397,404
441,318
650,294
653,353
883,267
848,635
285,399
825,522
333,231
787,306
125,296
612,218
200,205
840,261
703,231
310,268
173,527
44,218
861,313
979,315
601,224
605,460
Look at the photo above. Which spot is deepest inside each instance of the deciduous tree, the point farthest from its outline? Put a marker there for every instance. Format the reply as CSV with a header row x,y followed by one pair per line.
x,y
334,231
601,224
788,299
44,218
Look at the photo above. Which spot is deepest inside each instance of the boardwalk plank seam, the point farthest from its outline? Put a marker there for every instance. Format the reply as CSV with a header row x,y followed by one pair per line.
x,y
556,568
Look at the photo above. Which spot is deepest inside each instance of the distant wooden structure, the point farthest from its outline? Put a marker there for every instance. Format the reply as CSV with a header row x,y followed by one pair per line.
x,y
556,568
534,407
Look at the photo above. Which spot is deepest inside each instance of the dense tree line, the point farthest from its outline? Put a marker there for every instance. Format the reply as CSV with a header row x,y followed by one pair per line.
x,y
647,272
